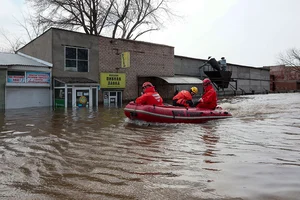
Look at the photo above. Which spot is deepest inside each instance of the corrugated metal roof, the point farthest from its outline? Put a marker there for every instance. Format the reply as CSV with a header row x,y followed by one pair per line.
x,y
181,80
11,59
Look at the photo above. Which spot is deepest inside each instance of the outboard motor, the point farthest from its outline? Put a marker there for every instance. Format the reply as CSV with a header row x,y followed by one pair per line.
x,y
214,63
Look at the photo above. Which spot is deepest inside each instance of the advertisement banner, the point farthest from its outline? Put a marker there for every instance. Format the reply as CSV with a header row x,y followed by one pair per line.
x,y
15,79
125,59
112,80
38,77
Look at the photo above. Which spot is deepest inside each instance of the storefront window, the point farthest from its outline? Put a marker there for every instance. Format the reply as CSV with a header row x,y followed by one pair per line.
x,y
59,97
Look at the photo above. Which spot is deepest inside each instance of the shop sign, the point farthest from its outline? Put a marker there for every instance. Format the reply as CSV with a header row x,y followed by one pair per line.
x,y
15,79
112,80
38,77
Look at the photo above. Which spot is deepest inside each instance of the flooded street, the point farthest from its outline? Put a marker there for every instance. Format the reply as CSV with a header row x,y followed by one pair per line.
x,y
100,154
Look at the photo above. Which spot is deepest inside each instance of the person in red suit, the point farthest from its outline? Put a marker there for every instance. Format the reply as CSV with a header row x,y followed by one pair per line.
x,y
149,96
185,98
209,97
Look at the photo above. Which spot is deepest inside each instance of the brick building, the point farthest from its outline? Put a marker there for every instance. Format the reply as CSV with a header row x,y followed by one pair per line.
x,y
88,70
284,78
148,62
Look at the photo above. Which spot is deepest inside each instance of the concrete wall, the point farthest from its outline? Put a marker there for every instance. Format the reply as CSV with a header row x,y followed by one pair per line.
x,y
188,67
146,60
41,47
51,46
61,39
248,79
2,88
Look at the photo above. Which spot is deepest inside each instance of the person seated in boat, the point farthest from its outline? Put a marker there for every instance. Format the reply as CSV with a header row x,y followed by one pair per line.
x,y
185,98
149,96
209,97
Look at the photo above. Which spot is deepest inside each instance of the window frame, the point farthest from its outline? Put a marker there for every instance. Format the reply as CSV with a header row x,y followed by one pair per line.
x,y
69,69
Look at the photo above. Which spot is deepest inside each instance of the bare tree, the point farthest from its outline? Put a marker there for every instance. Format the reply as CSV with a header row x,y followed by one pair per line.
x,y
127,19
32,28
291,58
13,42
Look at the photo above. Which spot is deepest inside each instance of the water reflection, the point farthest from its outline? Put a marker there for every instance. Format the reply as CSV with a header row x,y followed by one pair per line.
x,y
100,154
210,139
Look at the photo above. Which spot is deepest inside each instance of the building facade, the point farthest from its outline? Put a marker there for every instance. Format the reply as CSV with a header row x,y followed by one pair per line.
x,y
24,81
88,70
145,62
244,79
284,78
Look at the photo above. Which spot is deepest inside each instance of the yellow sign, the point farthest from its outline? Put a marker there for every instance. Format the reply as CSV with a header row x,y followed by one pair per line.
x,y
125,59
112,80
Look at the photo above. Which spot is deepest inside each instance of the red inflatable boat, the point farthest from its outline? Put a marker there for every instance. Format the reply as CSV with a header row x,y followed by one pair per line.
x,y
173,114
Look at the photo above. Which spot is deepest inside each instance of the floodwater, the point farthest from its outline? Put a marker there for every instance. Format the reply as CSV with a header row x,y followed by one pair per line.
x,y
100,154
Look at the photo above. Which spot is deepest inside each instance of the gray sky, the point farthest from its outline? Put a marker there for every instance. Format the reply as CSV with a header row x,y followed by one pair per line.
x,y
245,32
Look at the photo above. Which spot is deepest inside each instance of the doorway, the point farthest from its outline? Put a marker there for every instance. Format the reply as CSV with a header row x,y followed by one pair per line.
x,y
74,94
112,98
82,97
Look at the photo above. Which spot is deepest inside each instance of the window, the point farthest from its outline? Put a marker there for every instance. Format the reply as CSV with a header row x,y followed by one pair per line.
x,y
77,59
15,73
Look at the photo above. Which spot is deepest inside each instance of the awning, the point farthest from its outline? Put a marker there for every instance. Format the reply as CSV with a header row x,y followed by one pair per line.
x,y
181,80
76,80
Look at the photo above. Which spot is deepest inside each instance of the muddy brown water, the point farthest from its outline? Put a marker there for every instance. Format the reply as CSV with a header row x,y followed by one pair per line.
x,y
100,154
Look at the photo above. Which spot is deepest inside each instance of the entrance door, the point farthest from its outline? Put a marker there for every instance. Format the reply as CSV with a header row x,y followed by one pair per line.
x,y
82,97
112,98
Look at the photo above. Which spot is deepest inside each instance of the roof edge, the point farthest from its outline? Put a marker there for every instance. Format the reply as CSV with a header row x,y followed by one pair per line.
x,y
35,59
181,80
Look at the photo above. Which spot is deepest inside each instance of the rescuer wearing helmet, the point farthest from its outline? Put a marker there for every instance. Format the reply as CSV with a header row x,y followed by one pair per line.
x,y
209,97
149,96
185,98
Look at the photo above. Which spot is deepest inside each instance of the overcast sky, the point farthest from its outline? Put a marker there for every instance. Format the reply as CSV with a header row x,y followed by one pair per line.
x,y
245,32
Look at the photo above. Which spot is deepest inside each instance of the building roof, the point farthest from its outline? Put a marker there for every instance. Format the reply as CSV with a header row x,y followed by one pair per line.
x,y
205,60
20,59
181,80
82,33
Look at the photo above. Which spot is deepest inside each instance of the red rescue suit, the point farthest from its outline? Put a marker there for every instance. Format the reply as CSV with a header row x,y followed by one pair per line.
x,y
181,98
209,98
149,97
